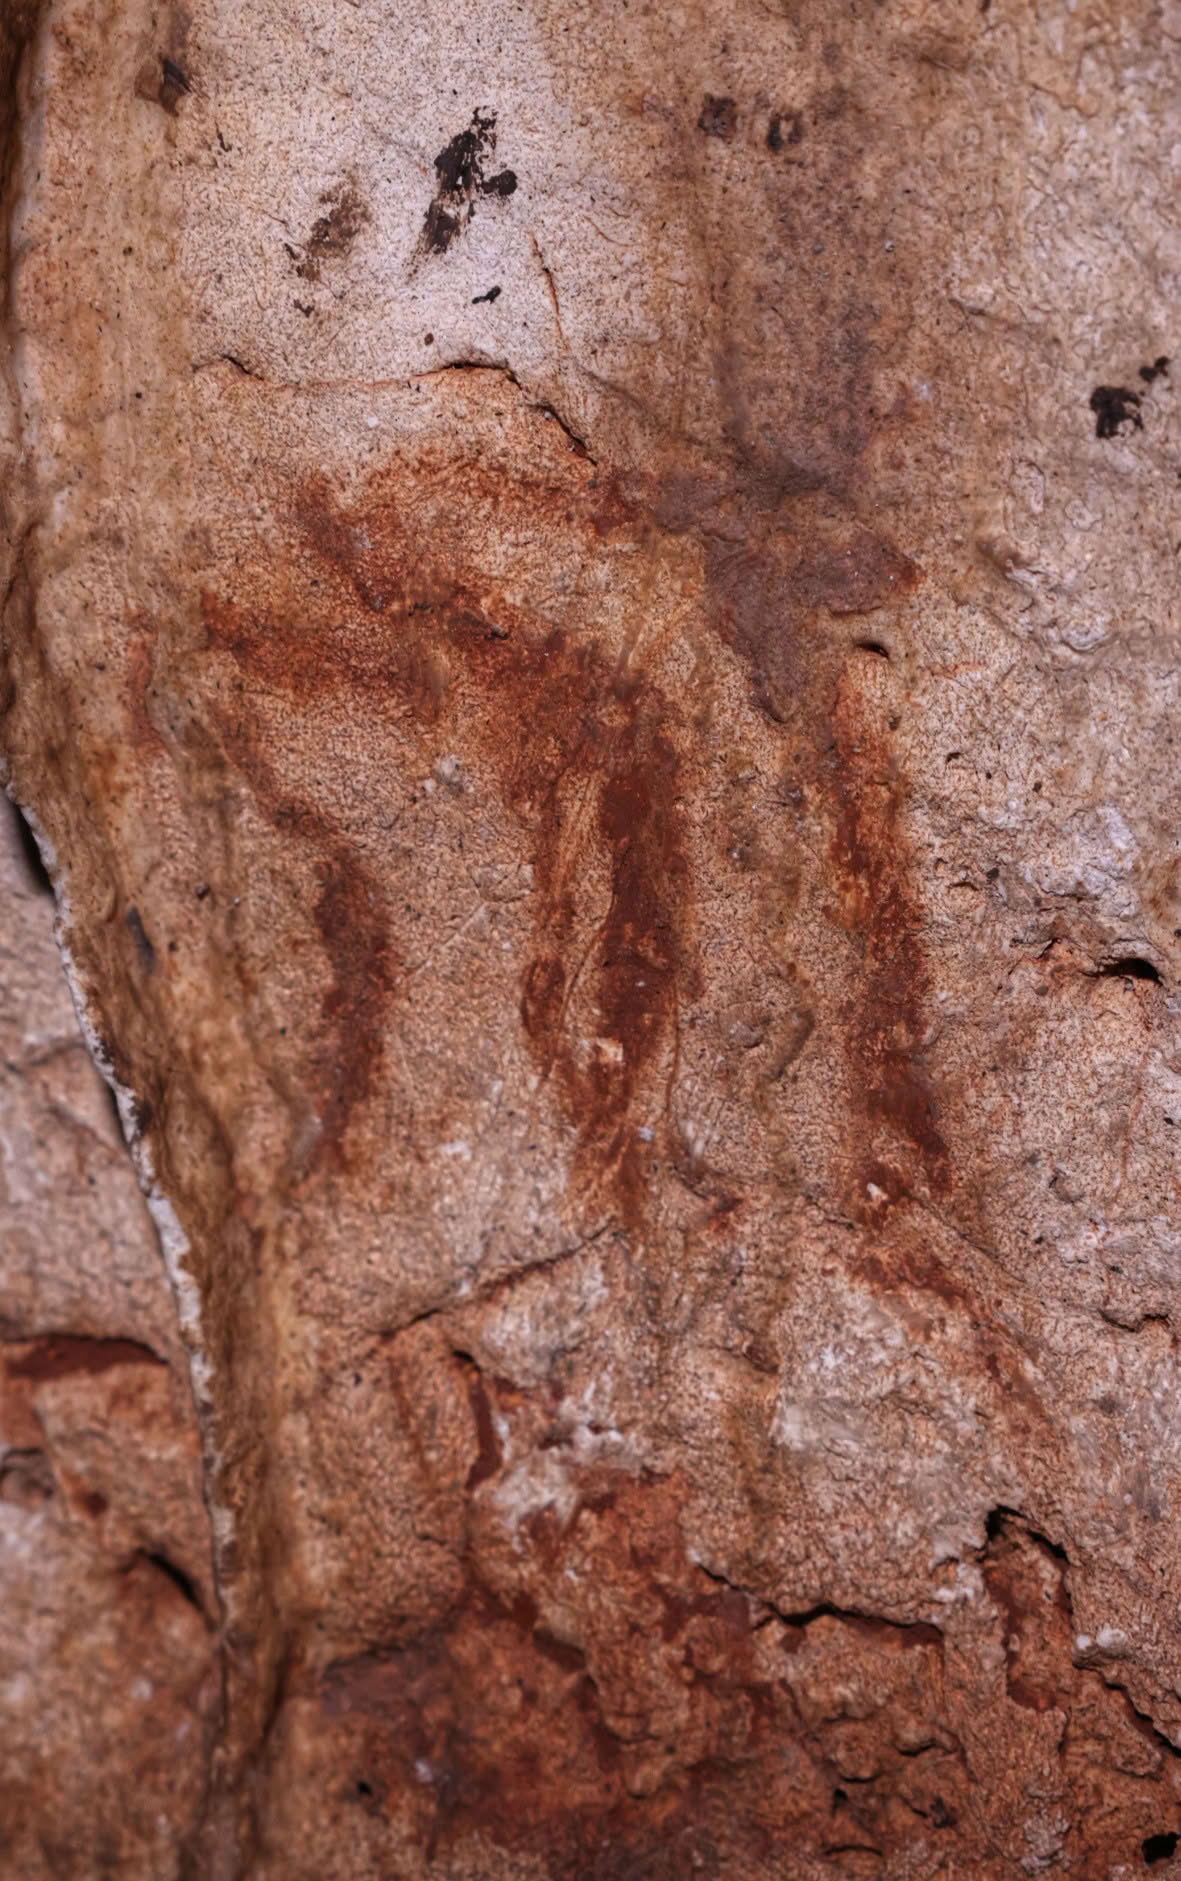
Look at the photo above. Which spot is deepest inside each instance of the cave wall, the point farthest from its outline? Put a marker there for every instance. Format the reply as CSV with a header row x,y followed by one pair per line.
x,y
590,641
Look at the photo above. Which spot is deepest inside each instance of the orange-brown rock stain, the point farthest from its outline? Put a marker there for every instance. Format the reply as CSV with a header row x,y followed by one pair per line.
x,y
645,1725
680,1725
502,1723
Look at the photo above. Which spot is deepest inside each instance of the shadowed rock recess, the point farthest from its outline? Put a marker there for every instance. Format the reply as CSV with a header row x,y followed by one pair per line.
x,y
590,636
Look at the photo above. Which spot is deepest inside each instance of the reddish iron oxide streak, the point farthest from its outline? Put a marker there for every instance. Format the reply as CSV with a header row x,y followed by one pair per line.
x,y
488,1453
62,1355
1020,1571
348,1046
574,748
885,1027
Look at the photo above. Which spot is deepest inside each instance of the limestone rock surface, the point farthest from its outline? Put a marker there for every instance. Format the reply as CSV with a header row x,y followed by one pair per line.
x,y
109,1675
590,635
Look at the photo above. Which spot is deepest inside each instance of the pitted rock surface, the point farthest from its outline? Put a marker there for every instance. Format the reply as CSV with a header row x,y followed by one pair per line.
x,y
590,631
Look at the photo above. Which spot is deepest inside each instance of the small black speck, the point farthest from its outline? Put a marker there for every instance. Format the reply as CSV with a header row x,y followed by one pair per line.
x,y
1159,369
492,294
990,875
428,339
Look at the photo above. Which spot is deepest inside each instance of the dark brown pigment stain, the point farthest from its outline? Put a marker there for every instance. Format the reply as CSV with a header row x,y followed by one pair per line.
x,y
334,232
718,117
460,174
592,750
65,1355
786,127
352,1009
133,922
784,554
884,1030
162,81
794,547
856,575
166,78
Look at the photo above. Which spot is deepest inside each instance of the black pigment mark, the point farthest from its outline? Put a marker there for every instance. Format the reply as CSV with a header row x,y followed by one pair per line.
x,y
492,294
719,117
143,946
460,170
162,81
786,127
1159,369
1114,405
1129,967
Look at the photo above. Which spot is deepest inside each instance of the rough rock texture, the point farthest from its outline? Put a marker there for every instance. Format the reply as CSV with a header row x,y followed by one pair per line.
x,y
109,1680
590,631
